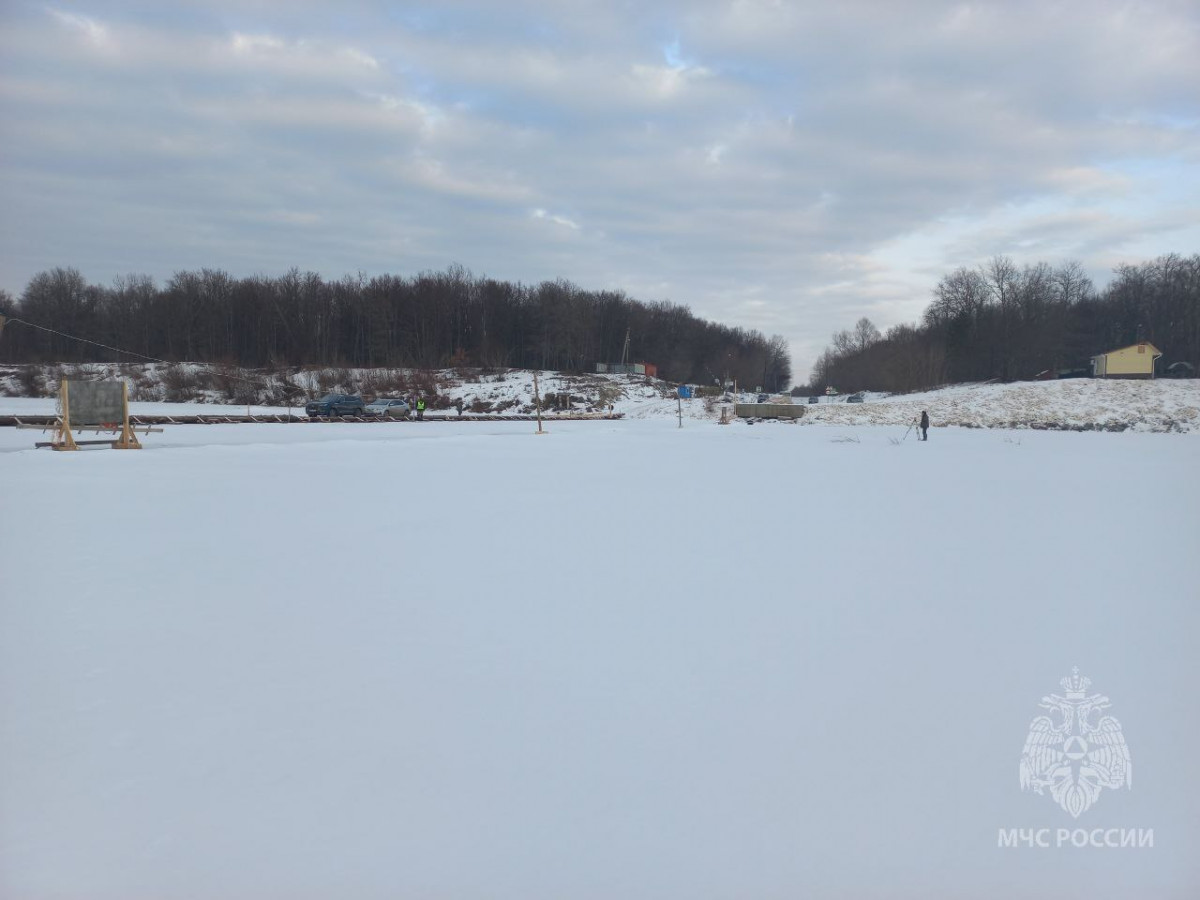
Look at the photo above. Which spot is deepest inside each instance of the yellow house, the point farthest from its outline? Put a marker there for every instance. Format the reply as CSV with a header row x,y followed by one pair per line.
x,y
1134,361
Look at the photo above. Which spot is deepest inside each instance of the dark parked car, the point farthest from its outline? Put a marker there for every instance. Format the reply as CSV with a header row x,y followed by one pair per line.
x,y
763,398
855,398
335,405
814,399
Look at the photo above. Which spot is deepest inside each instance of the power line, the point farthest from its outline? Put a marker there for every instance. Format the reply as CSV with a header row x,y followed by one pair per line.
x,y
74,337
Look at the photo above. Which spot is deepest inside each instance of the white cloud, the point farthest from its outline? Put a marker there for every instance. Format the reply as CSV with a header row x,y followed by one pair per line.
x,y
288,217
784,166
93,30
555,219
312,59
665,82
443,178
254,43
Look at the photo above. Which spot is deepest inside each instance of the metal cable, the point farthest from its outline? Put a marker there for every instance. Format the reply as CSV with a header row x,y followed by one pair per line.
x,y
73,337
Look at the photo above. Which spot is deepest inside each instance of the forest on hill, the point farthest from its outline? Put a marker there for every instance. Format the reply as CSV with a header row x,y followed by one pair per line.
x,y
1009,323
429,320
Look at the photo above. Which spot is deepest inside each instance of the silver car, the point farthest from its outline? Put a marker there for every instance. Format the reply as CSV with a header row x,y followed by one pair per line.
x,y
394,409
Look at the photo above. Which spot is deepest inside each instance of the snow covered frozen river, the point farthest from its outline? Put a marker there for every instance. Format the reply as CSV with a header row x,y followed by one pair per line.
x,y
618,660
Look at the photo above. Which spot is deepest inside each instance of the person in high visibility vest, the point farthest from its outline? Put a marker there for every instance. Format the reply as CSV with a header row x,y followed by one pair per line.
x,y
420,409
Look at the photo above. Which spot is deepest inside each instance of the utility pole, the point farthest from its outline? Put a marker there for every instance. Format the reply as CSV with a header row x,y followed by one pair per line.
x,y
537,400
625,350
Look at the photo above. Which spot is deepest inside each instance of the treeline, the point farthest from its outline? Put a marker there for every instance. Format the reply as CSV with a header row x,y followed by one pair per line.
x,y
1004,322
430,320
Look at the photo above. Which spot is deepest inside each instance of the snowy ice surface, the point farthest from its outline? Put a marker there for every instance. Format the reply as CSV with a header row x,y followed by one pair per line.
x,y
620,659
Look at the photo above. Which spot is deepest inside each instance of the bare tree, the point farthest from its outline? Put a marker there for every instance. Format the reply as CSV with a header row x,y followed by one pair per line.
x,y
865,334
427,320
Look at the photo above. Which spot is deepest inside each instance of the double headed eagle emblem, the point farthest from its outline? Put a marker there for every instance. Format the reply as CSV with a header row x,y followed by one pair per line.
x,y
1075,751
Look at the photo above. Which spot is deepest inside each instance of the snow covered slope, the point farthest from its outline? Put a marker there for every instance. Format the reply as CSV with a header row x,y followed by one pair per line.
x,y
1079,404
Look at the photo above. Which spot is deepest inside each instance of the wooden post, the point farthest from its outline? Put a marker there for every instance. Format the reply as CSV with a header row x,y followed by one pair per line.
x,y
537,400
128,440
679,405
63,440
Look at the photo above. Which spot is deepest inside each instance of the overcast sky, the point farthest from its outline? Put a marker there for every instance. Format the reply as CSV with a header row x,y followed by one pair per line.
x,y
785,166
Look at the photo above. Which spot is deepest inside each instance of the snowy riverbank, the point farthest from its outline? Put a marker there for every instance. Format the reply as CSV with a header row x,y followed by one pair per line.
x,y
1072,405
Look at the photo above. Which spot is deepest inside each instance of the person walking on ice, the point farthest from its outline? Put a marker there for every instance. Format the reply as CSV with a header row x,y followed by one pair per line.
x,y
924,426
